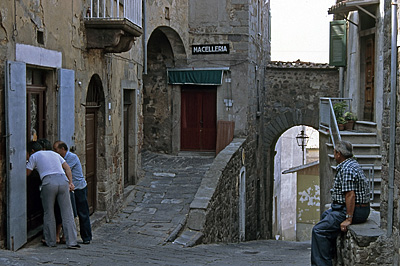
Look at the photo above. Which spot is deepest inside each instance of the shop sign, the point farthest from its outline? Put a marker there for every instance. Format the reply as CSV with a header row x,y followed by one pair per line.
x,y
210,49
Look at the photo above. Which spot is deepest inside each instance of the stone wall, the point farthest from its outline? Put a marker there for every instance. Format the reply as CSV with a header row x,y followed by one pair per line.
x,y
215,209
364,244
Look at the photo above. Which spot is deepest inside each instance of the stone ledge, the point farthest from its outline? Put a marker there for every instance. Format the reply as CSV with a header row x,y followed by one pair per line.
x,y
367,232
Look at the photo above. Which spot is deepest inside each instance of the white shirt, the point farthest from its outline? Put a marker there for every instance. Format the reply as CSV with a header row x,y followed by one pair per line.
x,y
46,163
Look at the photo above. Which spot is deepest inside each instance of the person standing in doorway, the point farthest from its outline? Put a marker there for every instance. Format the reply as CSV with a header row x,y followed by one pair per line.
x,y
80,192
350,196
56,185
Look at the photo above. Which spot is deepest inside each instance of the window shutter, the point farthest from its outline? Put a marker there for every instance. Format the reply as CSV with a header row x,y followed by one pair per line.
x,y
338,39
15,108
66,106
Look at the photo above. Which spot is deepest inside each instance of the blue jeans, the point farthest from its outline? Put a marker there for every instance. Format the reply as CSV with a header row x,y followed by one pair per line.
x,y
82,209
325,232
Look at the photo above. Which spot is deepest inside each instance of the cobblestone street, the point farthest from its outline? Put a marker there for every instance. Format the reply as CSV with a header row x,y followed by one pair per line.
x,y
154,209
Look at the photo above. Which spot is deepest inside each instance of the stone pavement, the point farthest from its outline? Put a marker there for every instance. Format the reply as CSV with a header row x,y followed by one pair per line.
x,y
152,215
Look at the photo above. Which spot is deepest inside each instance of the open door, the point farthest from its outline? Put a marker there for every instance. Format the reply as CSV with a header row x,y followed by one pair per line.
x,y
15,109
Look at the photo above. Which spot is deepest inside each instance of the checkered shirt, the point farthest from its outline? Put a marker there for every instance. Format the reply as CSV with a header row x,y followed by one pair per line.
x,y
350,176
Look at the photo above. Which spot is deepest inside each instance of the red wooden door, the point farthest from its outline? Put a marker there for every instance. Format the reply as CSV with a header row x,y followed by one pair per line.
x,y
91,157
198,118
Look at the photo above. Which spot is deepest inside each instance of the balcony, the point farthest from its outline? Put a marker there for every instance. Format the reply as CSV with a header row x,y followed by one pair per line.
x,y
113,25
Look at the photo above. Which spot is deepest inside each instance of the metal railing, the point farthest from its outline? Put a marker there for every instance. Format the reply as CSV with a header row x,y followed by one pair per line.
x,y
328,122
369,170
327,117
116,9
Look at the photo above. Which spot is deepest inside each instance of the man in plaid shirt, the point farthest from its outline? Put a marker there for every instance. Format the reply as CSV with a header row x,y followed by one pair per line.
x,y
350,196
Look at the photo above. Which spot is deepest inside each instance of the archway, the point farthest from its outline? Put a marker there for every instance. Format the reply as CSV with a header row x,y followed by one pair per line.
x,y
165,50
296,184
94,122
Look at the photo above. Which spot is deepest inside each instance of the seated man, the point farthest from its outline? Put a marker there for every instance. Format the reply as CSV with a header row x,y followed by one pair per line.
x,y
350,196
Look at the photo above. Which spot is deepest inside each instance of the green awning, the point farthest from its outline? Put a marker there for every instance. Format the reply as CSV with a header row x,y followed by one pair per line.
x,y
209,76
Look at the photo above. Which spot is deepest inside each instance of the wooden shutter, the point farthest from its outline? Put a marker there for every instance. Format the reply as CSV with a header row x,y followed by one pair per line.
x,y
66,106
337,42
15,108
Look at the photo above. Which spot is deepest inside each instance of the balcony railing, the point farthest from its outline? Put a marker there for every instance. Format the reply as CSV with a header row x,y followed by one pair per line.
x,y
113,25
116,9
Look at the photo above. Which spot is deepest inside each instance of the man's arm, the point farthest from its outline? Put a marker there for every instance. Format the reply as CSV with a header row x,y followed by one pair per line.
x,y
28,172
350,197
68,173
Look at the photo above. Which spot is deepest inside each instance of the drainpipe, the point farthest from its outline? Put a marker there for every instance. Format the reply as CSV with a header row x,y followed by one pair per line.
x,y
393,90
144,38
341,81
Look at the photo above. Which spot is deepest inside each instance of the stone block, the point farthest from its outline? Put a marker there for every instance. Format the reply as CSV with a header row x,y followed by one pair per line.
x,y
196,219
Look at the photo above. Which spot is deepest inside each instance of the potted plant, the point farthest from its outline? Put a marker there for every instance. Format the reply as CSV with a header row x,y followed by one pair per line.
x,y
350,120
341,122
338,109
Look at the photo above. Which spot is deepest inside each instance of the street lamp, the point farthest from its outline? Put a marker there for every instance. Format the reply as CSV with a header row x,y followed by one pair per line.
x,y
302,140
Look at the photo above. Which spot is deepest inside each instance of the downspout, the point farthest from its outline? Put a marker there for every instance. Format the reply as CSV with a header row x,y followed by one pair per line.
x,y
341,81
393,90
144,38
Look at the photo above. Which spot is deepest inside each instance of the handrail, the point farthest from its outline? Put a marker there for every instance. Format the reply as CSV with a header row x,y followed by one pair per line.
x,y
328,117
371,178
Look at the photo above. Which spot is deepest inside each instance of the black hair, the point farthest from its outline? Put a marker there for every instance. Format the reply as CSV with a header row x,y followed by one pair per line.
x,y
45,143
33,145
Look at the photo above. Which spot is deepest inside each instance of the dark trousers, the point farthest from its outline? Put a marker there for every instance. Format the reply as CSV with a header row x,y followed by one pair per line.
x,y
325,232
82,209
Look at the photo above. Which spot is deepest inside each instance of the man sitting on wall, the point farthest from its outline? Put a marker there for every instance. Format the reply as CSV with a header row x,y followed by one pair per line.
x,y
350,196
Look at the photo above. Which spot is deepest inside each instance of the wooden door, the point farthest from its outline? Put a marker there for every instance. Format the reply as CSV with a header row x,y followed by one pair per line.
x,y
15,150
198,118
369,79
91,156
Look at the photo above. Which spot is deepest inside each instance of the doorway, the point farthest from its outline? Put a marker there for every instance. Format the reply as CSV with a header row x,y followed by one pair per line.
x,y
369,78
94,102
36,129
198,118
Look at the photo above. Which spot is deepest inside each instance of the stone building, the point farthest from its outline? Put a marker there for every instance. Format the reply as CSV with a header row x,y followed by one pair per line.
x,y
112,77
369,71
69,71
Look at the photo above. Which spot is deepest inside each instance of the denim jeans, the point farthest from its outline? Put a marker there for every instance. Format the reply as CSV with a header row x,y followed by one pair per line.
x,y
82,209
325,232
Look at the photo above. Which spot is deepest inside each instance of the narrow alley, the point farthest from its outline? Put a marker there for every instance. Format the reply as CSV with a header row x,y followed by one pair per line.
x,y
154,209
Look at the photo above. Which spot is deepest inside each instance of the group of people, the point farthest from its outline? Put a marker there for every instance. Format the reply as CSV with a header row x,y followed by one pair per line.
x,y
350,205
63,184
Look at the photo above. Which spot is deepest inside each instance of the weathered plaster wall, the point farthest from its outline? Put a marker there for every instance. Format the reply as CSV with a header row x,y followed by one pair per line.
x,y
63,30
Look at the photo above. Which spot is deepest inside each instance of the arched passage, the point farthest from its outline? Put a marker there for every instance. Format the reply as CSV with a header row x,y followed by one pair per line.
x,y
165,50
296,184
291,98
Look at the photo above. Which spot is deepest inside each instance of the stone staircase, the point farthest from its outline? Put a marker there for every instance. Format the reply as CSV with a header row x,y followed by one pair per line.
x,y
367,152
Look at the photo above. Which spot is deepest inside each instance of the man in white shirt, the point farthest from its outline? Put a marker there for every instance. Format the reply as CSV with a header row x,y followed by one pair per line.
x,y
56,185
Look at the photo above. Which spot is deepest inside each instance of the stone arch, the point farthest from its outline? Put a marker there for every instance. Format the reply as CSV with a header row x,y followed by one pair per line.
x,y
165,49
178,48
290,98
